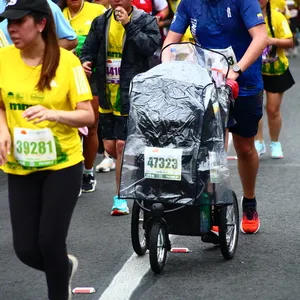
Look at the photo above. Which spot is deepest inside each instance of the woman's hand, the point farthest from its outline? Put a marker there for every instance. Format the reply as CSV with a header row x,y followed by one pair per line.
x,y
5,146
39,113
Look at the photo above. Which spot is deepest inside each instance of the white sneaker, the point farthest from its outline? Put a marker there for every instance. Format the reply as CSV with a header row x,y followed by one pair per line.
x,y
260,147
276,150
73,262
106,165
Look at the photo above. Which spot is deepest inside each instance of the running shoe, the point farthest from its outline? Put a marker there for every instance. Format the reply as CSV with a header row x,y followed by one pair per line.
x,y
250,222
260,147
88,183
276,150
120,207
106,165
215,230
73,263
80,192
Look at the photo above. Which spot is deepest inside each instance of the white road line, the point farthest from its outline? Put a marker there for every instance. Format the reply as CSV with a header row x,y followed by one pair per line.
x,y
129,277
127,280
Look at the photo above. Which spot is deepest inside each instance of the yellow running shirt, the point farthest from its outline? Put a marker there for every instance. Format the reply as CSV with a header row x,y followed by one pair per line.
x,y
116,39
280,5
81,22
281,30
187,37
47,145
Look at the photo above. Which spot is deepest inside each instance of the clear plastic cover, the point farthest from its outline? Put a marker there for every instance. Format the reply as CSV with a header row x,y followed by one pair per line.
x,y
175,145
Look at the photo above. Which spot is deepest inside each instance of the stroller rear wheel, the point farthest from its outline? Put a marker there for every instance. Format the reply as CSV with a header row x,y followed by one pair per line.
x,y
158,246
229,228
138,233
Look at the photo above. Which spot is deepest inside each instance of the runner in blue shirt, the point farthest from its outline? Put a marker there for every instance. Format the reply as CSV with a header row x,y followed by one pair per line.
x,y
65,33
237,29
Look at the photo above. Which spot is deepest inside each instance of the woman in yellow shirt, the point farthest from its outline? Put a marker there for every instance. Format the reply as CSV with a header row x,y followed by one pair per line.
x,y
276,76
81,14
44,98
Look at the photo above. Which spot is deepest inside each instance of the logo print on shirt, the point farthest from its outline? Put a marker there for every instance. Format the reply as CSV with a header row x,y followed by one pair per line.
x,y
228,12
11,2
260,16
193,27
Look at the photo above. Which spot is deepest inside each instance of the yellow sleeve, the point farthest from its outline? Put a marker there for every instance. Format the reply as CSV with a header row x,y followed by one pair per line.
x,y
79,88
283,30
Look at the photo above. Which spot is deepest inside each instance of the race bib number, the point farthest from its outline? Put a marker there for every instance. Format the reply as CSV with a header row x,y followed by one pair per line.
x,y
163,163
229,54
113,67
34,148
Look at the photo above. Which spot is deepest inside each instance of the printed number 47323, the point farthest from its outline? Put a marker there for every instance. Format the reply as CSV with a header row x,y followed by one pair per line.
x,y
162,163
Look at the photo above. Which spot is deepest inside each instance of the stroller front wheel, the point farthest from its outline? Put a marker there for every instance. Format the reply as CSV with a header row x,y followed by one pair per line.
x,y
229,228
158,246
138,233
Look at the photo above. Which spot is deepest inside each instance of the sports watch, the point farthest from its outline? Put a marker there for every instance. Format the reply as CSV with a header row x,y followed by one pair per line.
x,y
236,68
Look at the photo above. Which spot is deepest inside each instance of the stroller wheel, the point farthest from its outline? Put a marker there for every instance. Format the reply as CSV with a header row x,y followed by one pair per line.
x,y
138,233
229,228
158,246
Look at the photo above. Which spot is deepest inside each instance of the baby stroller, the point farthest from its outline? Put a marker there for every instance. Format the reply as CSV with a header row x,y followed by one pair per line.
x,y
175,164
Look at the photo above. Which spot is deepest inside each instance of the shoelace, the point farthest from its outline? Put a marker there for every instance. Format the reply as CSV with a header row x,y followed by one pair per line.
x,y
87,178
250,212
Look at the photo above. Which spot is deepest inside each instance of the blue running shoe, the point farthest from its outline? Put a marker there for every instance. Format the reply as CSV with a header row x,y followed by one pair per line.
x,y
260,147
120,207
276,150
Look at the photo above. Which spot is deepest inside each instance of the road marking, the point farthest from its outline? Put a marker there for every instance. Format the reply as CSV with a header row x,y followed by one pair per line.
x,y
127,280
129,277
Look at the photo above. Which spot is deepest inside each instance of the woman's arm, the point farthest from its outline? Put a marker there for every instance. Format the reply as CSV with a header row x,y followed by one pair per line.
x,y
281,43
82,116
5,139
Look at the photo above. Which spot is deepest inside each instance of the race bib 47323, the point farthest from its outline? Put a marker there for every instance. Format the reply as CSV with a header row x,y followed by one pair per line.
x,y
163,163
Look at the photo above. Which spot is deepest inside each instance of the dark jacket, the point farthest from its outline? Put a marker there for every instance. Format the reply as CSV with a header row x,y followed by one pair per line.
x,y
142,40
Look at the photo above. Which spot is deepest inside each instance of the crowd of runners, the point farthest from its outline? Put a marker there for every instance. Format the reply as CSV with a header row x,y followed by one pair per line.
x,y
65,72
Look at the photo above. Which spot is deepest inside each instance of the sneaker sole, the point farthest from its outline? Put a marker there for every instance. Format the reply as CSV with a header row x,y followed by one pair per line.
x,y
103,170
241,223
276,157
117,212
261,153
74,269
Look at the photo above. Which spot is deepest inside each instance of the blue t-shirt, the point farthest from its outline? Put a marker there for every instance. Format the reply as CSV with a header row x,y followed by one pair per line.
x,y
218,24
63,28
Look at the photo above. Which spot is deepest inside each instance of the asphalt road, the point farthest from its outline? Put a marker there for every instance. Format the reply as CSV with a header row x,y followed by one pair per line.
x,y
265,267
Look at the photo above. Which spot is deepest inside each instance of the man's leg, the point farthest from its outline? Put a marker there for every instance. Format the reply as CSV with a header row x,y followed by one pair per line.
x,y
247,163
107,164
90,149
247,113
120,205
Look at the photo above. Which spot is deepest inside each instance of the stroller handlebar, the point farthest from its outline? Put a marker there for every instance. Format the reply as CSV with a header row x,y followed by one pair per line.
x,y
234,87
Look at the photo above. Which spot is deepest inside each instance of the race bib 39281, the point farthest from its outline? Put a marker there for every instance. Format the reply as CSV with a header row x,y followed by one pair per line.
x,y
34,147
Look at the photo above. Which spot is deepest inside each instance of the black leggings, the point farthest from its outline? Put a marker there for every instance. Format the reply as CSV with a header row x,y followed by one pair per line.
x,y
41,207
